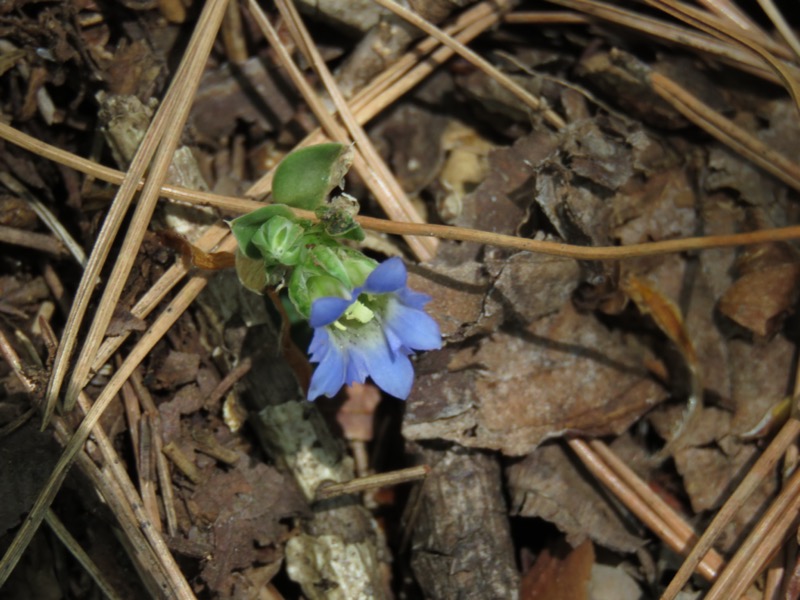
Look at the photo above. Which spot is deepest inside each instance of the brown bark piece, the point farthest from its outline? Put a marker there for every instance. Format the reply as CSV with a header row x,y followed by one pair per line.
x,y
386,40
177,369
458,293
711,462
501,202
520,387
760,378
461,544
238,514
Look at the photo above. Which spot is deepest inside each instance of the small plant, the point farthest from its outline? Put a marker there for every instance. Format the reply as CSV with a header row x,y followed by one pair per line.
x,y
366,321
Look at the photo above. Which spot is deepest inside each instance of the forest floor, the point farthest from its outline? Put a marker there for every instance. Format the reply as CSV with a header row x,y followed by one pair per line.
x,y
600,200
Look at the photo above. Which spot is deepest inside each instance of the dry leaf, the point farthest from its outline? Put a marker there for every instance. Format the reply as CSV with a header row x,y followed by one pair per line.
x,y
549,484
521,386
766,289
560,574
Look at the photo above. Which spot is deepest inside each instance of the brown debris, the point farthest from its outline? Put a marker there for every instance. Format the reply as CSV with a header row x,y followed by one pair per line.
x,y
238,516
766,288
248,92
519,387
461,540
177,369
560,574
549,484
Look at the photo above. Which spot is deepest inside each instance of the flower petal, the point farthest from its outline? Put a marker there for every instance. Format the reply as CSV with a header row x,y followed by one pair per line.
x,y
391,371
415,328
328,377
413,299
389,276
325,311
396,379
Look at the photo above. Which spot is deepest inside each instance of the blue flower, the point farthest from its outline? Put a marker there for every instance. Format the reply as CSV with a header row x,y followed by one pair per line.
x,y
371,333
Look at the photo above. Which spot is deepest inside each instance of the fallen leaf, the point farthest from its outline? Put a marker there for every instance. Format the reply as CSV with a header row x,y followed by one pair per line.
x,y
549,484
561,573
766,289
177,368
519,387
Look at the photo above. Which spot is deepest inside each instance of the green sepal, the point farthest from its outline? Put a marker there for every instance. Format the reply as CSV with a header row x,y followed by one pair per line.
x,y
246,226
308,283
306,176
348,265
330,261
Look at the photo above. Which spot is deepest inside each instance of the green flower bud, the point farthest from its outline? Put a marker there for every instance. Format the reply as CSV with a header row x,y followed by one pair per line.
x,y
306,177
279,240
246,226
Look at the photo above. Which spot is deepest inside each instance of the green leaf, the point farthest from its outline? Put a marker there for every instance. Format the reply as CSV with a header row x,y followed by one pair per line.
x,y
246,226
306,177
256,275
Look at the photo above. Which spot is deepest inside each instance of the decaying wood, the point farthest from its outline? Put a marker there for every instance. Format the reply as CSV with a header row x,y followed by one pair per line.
x,y
461,545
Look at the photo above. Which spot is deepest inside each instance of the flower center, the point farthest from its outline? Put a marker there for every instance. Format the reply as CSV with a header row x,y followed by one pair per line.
x,y
360,312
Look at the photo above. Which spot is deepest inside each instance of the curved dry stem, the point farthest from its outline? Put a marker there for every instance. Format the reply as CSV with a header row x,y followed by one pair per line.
x,y
175,111
243,205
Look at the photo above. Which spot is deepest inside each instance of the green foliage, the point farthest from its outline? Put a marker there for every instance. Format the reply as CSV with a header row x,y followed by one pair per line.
x,y
276,246
306,177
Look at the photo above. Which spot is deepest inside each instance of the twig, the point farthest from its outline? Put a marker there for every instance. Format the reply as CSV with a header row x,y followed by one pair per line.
x,y
768,6
159,564
16,423
80,555
722,30
407,72
763,466
377,179
664,30
736,17
32,240
182,462
371,482
726,131
534,103
241,205
546,18
768,535
175,109
227,382
45,216
643,502
146,343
